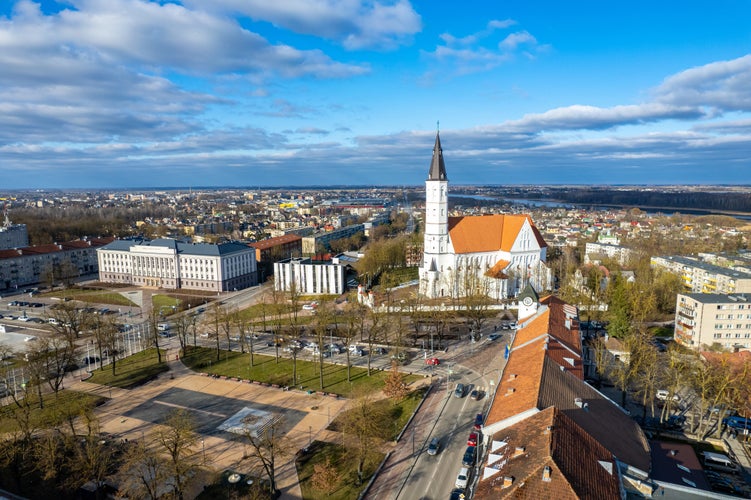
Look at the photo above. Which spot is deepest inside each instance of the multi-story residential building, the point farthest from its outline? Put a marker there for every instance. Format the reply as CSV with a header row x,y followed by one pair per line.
x,y
13,235
701,277
32,265
311,244
279,248
595,252
172,264
309,277
703,319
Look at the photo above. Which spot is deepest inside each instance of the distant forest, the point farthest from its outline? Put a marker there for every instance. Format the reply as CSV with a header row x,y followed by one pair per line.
x,y
713,201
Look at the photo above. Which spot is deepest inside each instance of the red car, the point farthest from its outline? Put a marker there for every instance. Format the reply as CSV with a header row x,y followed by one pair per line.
x,y
433,361
472,441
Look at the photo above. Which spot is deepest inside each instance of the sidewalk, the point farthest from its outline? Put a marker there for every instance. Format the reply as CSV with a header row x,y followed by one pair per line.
x,y
116,415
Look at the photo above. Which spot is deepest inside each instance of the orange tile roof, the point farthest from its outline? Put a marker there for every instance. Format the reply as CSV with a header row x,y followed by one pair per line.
x,y
497,270
549,440
519,388
488,233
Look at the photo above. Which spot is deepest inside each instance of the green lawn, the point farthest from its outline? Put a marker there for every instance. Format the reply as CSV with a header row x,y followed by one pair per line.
x,y
52,414
267,370
346,471
92,296
398,413
131,371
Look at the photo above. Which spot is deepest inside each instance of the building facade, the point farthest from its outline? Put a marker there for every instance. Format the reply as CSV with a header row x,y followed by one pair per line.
x,y
703,319
494,255
701,277
13,235
308,277
171,264
322,241
33,265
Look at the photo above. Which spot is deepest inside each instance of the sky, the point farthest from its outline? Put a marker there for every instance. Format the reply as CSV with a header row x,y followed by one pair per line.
x,y
256,93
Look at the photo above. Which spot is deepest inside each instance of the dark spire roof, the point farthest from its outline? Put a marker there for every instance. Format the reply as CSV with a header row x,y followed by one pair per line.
x,y
437,168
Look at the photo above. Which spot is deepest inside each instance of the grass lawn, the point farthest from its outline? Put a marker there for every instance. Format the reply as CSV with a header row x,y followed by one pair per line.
x,y
346,468
266,369
132,371
92,296
398,413
52,414
165,302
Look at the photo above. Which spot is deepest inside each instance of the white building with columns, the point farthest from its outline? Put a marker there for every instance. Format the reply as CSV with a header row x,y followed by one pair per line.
x,y
495,255
171,264
308,277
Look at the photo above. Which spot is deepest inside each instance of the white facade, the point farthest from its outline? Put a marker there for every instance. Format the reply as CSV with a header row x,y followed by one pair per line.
x,y
308,277
494,255
702,319
174,265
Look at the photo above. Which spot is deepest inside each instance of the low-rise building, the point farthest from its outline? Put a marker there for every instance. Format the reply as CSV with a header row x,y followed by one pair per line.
x,y
165,263
310,277
703,319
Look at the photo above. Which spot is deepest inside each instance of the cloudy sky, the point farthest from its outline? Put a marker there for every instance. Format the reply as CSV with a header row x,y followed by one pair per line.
x,y
137,93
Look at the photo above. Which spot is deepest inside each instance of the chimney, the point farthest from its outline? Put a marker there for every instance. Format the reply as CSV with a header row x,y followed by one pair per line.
x,y
512,376
508,481
546,473
548,429
578,402
510,391
518,451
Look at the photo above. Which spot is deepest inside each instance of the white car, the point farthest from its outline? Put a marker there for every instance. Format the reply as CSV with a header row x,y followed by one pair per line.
x,y
462,478
662,395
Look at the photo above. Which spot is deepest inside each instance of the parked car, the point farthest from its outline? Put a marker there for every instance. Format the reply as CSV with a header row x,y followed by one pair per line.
x,y
478,421
432,361
476,394
379,350
472,439
459,391
470,453
434,446
663,394
462,478
494,336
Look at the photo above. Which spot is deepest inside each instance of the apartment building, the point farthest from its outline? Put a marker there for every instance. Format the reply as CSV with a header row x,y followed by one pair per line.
x,y
702,319
13,235
32,265
701,277
311,244
596,252
171,264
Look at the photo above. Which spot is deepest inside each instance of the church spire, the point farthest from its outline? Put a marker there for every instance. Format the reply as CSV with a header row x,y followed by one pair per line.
x,y
437,168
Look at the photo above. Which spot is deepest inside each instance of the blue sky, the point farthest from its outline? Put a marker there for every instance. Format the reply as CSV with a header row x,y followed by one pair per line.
x,y
132,93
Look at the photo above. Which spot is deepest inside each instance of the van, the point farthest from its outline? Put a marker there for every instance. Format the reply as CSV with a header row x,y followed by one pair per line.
x,y
737,423
718,461
162,327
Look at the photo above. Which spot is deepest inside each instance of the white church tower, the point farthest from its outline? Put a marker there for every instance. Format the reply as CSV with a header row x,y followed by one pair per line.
x,y
436,253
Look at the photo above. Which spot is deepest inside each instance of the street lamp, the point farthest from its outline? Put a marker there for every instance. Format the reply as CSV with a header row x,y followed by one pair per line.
x,y
203,450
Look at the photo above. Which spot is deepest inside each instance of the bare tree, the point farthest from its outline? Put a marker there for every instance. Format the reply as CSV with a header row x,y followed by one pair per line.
x,y
267,446
364,426
143,472
177,437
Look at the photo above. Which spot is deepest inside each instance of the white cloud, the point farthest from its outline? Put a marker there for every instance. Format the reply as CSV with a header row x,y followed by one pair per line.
x,y
356,24
725,85
481,51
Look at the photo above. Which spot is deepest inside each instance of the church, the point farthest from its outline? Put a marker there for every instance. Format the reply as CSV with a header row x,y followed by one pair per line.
x,y
495,255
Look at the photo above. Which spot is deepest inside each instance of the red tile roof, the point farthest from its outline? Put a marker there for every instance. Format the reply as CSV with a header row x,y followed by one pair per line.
x,y
548,456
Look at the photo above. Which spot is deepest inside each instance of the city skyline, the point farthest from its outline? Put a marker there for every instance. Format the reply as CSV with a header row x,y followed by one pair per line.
x,y
131,93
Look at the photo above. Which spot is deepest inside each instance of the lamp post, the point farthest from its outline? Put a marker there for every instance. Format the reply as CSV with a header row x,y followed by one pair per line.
x,y
203,450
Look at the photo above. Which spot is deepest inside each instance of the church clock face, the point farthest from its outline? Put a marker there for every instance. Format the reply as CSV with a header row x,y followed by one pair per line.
x,y
527,301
